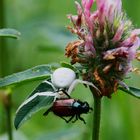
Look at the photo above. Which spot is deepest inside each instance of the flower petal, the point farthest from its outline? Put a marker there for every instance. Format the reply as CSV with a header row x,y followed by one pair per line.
x,y
109,9
119,33
133,49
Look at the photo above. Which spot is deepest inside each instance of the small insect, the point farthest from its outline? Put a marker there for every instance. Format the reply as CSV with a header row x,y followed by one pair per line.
x,y
69,108
60,86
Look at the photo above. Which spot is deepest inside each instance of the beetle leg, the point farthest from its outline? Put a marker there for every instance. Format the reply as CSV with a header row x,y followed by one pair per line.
x,y
67,121
81,119
47,112
63,119
70,118
76,118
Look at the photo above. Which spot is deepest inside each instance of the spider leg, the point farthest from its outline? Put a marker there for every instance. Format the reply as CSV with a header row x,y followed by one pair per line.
x,y
47,112
81,119
45,81
75,82
35,97
66,93
123,84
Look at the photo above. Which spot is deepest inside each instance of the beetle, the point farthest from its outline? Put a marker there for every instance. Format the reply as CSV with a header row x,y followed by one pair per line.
x,y
72,108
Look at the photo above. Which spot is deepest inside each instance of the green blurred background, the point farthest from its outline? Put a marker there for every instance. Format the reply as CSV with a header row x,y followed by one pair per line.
x,y
43,40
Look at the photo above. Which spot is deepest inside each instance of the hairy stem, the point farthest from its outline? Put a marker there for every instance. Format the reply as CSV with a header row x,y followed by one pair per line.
x,y
96,118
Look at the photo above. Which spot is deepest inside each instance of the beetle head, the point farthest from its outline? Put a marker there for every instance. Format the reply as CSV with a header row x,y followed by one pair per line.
x,y
85,107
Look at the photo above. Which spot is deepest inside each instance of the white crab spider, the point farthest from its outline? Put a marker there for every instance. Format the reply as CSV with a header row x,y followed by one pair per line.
x,y
66,78
63,82
62,79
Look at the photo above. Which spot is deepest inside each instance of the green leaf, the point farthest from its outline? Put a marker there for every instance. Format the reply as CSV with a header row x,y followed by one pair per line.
x,y
132,91
37,100
35,73
26,111
67,65
12,33
43,87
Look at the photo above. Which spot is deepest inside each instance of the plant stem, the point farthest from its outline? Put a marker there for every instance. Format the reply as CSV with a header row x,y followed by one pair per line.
x,y
96,118
7,105
3,47
3,70
2,53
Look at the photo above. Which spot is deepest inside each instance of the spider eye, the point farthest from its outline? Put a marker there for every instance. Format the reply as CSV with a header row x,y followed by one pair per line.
x,y
63,77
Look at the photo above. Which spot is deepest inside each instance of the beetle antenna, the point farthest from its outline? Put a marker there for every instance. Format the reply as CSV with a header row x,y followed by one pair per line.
x,y
91,108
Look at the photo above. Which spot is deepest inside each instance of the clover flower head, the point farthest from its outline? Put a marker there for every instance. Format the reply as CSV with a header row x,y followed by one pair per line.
x,y
107,43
